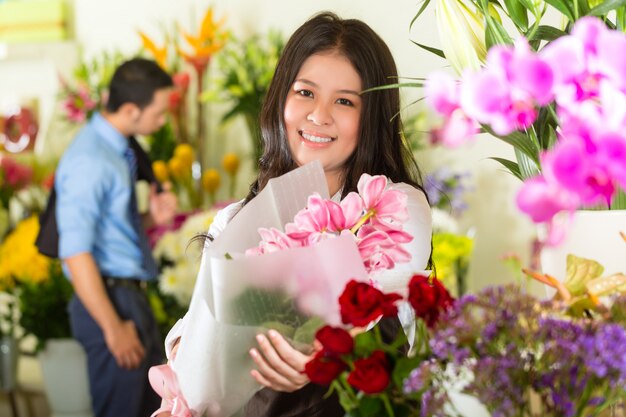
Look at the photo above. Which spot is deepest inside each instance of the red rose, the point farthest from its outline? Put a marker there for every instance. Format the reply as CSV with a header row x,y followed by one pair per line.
x,y
428,298
360,304
371,375
323,369
335,340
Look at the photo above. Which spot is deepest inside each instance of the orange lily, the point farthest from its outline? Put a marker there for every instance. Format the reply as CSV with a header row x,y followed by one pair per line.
x,y
159,54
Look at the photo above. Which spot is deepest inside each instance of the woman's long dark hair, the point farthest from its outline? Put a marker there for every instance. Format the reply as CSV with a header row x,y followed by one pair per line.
x,y
380,149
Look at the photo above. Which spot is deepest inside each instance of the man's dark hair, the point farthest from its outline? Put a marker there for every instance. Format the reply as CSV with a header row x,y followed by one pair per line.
x,y
136,81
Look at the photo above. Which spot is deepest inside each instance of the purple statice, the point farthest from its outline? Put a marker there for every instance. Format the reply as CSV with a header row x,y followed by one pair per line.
x,y
446,190
418,379
607,353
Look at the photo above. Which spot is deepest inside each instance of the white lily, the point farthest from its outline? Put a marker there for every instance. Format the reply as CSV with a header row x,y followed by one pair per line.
x,y
462,35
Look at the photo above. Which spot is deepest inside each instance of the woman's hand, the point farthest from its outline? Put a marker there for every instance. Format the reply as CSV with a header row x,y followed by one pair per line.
x,y
280,366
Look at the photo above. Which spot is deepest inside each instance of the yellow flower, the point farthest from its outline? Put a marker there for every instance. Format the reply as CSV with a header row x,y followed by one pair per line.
x,y
178,169
160,171
159,54
230,163
186,154
211,180
462,34
19,258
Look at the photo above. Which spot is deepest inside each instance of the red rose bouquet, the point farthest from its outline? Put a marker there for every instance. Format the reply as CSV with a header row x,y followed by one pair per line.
x,y
367,372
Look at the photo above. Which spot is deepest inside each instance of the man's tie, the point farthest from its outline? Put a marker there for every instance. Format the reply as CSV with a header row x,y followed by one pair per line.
x,y
149,265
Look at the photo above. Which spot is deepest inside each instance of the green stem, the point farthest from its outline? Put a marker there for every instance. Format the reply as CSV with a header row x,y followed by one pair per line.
x,y
387,405
362,221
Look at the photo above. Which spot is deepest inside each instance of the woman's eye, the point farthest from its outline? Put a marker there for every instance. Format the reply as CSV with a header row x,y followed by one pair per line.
x,y
305,93
345,102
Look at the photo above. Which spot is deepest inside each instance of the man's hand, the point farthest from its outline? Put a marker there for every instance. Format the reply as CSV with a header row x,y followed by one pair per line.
x,y
124,344
162,205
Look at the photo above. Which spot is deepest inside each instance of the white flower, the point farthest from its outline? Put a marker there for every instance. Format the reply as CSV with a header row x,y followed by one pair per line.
x,y
179,281
444,222
462,34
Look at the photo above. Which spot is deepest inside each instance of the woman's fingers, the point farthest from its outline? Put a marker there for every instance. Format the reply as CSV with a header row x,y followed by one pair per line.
x,y
280,363
267,375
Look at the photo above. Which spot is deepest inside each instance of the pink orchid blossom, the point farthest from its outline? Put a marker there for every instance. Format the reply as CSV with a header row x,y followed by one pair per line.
x,y
374,217
541,200
272,240
504,93
442,92
383,205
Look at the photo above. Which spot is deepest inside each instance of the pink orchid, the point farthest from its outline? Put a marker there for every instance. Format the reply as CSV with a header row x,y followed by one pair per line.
x,y
272,240
504,93
374,217
541,200
384,206
381,249
313,223
442,92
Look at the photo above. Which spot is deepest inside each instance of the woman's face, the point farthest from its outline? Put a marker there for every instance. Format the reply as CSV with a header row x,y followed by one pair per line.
x,y
323,111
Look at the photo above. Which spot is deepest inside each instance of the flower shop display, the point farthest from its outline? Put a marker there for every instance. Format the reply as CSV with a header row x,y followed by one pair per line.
x,y
555,95
197,50
246,68
517,355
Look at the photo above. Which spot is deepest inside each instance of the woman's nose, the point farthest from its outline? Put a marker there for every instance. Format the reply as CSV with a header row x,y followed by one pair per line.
x,y
320,115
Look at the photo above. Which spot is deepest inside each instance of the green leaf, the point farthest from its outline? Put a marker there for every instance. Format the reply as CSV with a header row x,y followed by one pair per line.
x,y
435,51
605,7
579,271
495,34
619,201
562,7
403,368
511,166
419,12
519,141
518,13
528,167
364,343
547,33
370,406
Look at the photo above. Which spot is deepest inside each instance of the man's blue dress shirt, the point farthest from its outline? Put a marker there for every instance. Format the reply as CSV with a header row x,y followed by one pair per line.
x,y
93,212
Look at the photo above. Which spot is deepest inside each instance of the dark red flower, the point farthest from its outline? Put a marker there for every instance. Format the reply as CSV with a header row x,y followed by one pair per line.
x,y
335,340
323,369
429,298
371,375
360,304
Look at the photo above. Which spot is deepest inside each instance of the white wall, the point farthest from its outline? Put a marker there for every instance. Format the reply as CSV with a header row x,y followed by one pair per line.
x,y
113,24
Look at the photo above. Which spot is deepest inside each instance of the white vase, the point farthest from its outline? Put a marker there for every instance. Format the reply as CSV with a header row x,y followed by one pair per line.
x,y
593,234
64,371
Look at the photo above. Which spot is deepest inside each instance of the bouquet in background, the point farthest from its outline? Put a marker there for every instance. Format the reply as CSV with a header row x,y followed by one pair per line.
x,y
36,288
521,357
87,93
246,69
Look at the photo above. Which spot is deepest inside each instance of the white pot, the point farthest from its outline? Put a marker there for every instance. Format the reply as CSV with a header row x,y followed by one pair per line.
x,y
592,235
64,371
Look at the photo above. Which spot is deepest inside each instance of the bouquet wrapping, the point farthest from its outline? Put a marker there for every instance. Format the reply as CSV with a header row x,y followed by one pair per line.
x,y
238,296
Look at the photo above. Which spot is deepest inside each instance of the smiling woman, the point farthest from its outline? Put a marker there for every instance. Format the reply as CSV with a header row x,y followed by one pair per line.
x,y
322,113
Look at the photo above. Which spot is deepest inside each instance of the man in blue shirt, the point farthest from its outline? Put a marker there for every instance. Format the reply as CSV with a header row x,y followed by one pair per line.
x,y
103,244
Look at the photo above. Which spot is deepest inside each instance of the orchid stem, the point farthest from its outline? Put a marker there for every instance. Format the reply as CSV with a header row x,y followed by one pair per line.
x,y
362,221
